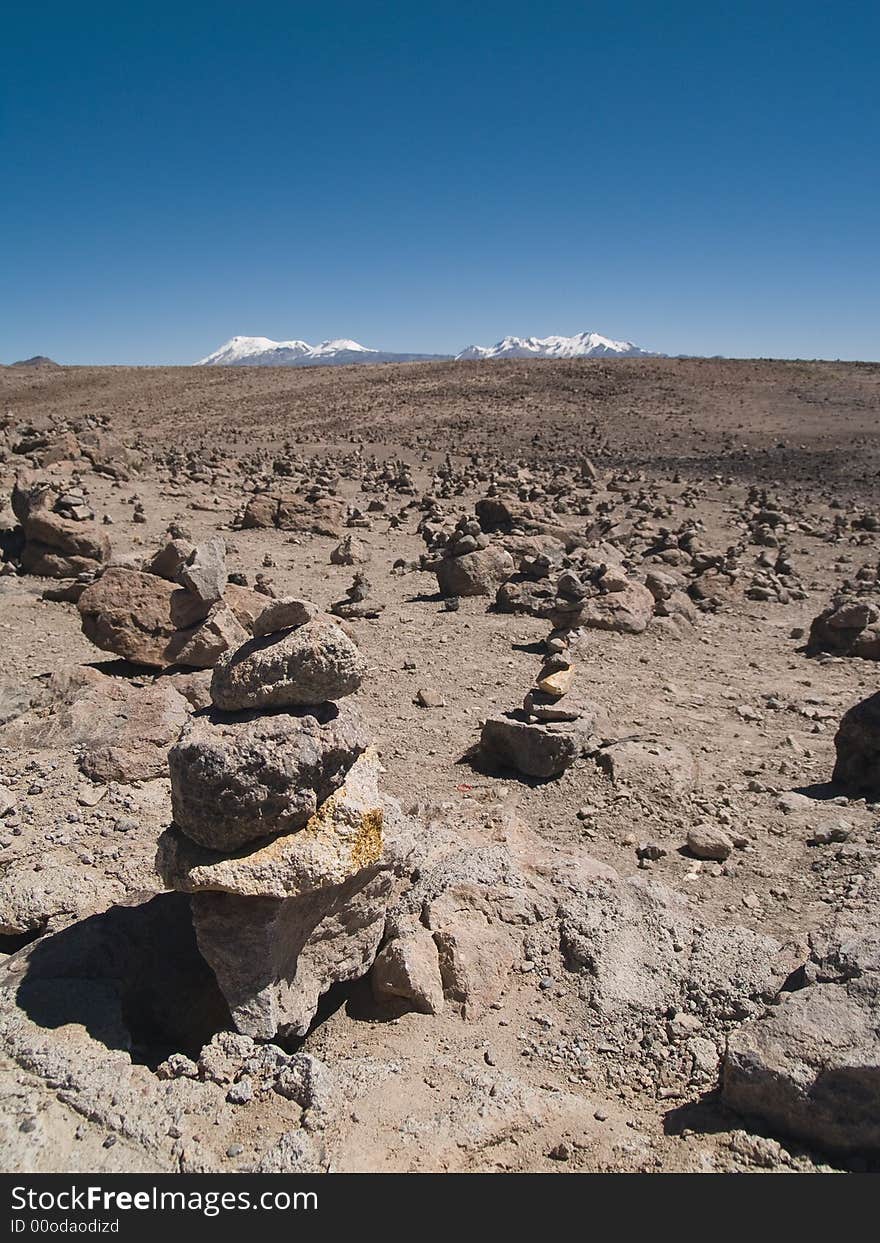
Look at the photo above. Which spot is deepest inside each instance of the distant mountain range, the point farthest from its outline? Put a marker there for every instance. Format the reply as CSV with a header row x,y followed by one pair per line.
x,y
263,352
582,345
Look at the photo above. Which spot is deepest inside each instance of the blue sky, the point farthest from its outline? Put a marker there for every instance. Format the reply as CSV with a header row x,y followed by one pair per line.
x,y
699,178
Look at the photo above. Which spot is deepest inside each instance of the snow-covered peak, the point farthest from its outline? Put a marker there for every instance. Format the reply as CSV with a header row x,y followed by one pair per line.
x,y
264,350
239,348
339,346
582,345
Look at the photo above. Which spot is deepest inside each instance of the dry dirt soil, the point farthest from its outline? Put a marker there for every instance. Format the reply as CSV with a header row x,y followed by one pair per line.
x,y
526,1085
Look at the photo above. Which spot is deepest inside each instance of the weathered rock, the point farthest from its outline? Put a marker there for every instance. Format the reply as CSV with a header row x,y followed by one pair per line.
x,y
246,604
282,922
627,610
849,626
323,516
525,596
643,950
284,615
534,750
110,456
150,621
15,699
56,545
857,744
340,839
307,665
557,683
475,950
707,841
204,571
235,779
72,539
169,559
261,512
296,1152
478,573
408,968
121,732
202,647
194,687
350,551
128,613
46,562
66,1003
811,1067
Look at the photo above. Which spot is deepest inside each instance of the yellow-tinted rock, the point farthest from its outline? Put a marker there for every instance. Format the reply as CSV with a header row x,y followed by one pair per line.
x,y
558,683
342,838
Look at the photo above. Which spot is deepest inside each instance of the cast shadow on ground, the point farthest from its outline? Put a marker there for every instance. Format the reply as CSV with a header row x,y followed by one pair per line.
x,y
132,976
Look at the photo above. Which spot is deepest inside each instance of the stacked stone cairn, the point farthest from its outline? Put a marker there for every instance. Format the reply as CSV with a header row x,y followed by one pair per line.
x,y
60,536
280,834
554,727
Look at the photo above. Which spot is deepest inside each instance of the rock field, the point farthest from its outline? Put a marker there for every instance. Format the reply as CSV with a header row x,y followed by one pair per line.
x,y
455,766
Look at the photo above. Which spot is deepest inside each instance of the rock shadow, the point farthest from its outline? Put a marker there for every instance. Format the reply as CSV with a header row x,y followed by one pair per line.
x,y
821,791
132,976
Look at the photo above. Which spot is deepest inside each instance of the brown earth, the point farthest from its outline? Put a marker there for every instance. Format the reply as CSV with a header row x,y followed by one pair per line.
x,y
681,440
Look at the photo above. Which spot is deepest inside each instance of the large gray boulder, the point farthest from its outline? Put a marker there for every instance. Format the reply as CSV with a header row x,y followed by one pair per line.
x,y
478,573
306,665
811,1067
235,779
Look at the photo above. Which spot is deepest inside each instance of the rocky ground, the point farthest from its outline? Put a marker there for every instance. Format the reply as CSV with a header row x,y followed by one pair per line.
x,y
631,926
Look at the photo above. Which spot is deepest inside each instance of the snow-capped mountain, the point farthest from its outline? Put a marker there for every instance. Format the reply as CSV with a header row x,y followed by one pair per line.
x,y
263,352
582,345
242,349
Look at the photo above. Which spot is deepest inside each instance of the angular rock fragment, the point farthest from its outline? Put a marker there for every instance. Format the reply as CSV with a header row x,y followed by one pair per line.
x,y
811,1067
204,572
407,968
220,632
534,750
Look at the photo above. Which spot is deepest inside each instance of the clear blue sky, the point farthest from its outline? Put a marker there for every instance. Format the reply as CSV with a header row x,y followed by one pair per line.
x,y
698,177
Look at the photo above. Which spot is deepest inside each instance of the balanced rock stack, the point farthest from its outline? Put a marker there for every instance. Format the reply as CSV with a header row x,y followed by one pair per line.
x,y
550,732
61,539
280,833
471,565
356,606
180,609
